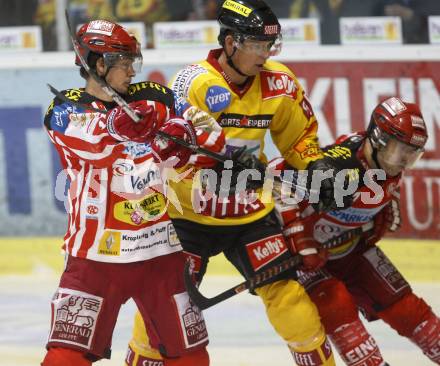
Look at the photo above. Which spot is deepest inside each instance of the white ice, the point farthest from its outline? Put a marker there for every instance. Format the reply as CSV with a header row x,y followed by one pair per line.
x,y
239,333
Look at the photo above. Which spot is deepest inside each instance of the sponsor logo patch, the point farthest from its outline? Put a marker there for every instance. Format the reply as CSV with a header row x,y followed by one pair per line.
x,y
308,148
136,212
181,105
418,122
237,8
136,150
386,269
184,78
393,106
101,27
307,107
418,140
307,358
123,168
110,243
74,317
338,152
263,251
277,84
61,117
243,121
271,29
191,321
217,98
173,239
307,279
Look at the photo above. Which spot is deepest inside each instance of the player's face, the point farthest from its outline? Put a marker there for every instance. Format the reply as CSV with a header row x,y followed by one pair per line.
x,y
120,75
252,54
397,156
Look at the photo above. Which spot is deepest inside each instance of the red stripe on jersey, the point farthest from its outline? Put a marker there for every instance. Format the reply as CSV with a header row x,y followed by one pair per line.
x,y
77,217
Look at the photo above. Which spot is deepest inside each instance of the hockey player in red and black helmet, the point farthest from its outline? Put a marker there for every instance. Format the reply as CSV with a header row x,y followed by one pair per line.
x,y
358,275
120,242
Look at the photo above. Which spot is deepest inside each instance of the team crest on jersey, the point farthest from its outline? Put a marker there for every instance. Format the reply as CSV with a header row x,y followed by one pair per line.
x,y
277,84
217,98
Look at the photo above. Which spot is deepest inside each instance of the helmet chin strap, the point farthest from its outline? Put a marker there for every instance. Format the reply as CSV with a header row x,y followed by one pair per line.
x,y
374,153
374,156
231,63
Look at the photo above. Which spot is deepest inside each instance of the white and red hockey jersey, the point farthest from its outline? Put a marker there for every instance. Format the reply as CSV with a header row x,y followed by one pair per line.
x,y
116,199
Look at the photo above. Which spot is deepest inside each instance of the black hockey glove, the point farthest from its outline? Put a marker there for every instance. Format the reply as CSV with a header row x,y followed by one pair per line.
x,y
245,160
325,194
242,160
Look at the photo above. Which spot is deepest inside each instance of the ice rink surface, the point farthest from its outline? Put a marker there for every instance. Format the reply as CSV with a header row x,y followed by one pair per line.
x,y
239,333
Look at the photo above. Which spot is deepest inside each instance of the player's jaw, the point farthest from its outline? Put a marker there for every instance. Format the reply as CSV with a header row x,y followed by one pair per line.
x,y
119,80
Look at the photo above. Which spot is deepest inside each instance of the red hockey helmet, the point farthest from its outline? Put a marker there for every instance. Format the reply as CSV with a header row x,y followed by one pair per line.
x,y
397,129
111,41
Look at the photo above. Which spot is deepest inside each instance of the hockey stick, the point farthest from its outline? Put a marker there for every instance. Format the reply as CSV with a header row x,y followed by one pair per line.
x,y
124,105
131,113
192,147
261,278
195,148
256,281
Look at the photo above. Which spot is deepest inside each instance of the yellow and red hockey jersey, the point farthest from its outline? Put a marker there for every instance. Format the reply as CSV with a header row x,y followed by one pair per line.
x,y
272,100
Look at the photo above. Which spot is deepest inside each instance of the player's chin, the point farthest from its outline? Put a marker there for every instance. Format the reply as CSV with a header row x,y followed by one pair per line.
x,y
122,88
254,70
394,171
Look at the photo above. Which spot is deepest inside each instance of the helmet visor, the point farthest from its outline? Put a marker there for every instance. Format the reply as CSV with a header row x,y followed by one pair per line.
x,y
401,155
124,61
262,48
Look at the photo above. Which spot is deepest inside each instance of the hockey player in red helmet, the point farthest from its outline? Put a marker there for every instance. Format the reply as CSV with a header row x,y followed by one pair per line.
x,y
111,42
120,242
397,134
358,275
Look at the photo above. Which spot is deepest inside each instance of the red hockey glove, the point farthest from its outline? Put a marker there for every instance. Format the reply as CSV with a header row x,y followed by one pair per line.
x,y
123,128
386,220
300,241
166,149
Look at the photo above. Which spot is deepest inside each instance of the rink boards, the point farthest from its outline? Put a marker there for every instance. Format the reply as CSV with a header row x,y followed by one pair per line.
x,y
418,260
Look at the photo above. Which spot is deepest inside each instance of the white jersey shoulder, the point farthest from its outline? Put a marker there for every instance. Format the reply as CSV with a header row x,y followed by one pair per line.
x,y
183,79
